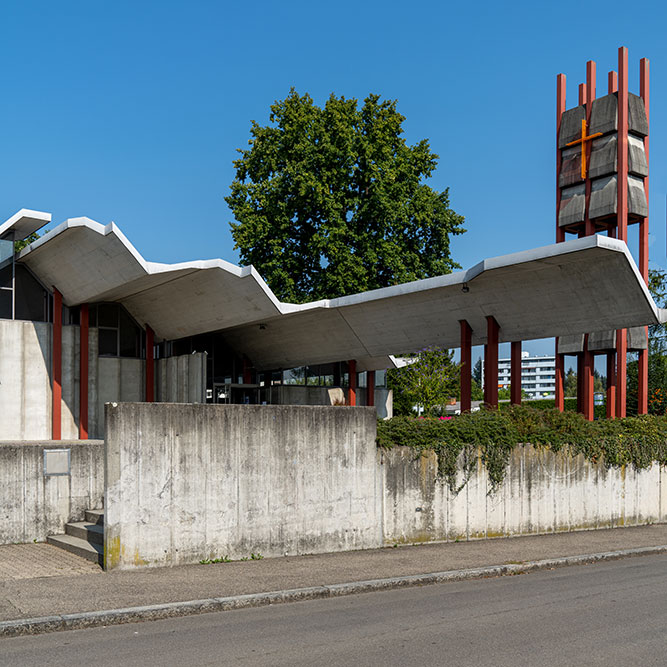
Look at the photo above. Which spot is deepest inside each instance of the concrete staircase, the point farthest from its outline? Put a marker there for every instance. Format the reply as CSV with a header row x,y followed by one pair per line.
x,y
83,538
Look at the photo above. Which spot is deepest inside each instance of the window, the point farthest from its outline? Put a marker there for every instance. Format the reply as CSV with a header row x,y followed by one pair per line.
x,y
118,334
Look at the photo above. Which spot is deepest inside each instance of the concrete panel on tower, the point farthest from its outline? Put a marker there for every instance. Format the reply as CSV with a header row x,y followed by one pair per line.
x,y
603,197
570,125
571,344
604,115
637,121
572,205
570,168
637,197
603,156
637,156
637,339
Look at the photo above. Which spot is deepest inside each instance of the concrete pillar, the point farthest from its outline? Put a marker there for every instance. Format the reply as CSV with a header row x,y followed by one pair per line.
x,y
150,365
57,357
352,391
515,373
370,388
83,372
491,362
466,366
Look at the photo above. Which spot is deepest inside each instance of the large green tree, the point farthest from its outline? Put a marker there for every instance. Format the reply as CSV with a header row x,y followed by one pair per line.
x,y
331,201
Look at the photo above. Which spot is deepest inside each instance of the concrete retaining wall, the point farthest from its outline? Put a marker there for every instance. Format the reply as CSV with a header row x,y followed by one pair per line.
x,y
32,505
181,379
543,492
186,482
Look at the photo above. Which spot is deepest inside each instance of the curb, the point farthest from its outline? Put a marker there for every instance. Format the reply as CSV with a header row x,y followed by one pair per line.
x,y
78,621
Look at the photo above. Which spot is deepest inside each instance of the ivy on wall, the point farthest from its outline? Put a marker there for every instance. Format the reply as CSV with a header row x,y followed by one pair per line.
x,y
639,441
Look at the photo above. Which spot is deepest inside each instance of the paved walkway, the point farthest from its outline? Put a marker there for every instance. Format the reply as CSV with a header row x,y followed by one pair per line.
x,y
41,580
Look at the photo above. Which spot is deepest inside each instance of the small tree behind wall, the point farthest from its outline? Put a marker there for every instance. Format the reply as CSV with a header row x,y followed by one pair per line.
x,y
429,381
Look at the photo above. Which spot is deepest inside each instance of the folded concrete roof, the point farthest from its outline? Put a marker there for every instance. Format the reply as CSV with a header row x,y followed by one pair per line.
x,y
588,284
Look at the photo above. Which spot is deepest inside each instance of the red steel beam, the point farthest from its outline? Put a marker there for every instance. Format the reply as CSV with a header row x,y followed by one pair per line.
x,y
622,217
150,365
515,374
587,146
612,82
370,388
560,109
57,376
466,366
611,385
588,406
642,370
491,362
560,380
352,391
83,372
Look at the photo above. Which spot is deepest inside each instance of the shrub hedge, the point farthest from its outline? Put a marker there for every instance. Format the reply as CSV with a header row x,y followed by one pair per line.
x,y
635,440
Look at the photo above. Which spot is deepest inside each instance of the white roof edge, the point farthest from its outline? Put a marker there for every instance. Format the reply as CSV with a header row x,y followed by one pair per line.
x,y
38,218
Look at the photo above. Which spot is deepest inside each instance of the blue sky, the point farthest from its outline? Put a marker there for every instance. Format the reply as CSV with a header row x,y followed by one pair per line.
x,y
133,112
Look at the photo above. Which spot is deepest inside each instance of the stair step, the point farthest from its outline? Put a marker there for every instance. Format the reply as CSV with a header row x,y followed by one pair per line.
x,y
95,516
91,532
75,545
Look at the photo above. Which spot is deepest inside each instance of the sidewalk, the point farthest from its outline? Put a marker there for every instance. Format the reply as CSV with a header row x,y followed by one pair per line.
x,y
38,580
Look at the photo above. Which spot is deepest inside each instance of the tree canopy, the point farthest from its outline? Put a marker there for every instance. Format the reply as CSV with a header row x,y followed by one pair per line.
x,y
331,201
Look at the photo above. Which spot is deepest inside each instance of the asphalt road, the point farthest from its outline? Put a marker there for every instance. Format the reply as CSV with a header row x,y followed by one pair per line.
x,y
604,614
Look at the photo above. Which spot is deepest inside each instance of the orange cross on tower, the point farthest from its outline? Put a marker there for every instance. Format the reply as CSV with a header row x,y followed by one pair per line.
x,y
582,141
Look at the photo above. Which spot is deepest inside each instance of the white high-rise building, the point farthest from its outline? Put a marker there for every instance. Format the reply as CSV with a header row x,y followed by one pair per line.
x,y
538,375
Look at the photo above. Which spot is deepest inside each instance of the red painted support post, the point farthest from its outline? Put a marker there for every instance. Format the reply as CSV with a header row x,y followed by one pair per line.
x,y
370,388
352,392
621,370
612,82
57,361
580,383
560,380
587,383
247,371
611,385
491,362
642,370
515,373
622,216
466,366
150,365
560,109
83,372
587,146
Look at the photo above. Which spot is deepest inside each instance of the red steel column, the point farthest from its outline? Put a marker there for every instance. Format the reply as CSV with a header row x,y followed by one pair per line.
x,y
150,365
587,383
370,388
466,366
515,374
642,370
352,392
580,382
611,385
247,372
560,109
587,146
560,380
491,362
622,217
57,356
83,373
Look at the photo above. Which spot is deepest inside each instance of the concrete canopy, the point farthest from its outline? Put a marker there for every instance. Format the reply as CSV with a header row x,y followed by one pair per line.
x,y
589,284
23,223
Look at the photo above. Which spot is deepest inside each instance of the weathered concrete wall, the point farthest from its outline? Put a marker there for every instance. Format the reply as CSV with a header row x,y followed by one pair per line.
x,y
543,492
33,505
181,379
186,482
